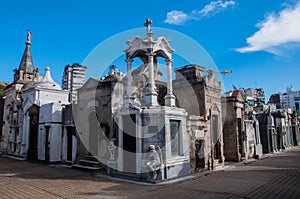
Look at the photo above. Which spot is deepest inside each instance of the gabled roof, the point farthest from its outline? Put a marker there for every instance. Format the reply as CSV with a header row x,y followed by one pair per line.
x,y
235,93
239,95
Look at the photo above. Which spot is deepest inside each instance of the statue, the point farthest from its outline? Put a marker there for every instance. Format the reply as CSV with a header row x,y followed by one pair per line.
x,y
112,150
155,163
29,35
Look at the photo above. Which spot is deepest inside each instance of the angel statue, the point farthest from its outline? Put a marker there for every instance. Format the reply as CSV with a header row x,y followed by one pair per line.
x,y
155,160
29,35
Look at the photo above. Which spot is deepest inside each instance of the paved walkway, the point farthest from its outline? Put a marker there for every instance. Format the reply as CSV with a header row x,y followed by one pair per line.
x,y
274,177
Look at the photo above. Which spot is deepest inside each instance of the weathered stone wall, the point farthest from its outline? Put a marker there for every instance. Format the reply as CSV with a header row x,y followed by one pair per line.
x,y
1,117
230,130
190,96
250,135
264,132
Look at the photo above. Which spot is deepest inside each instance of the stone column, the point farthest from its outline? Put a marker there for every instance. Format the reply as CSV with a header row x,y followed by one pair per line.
x,y
129,82
129,65
151,94
222,146
170,98
151,81
25,135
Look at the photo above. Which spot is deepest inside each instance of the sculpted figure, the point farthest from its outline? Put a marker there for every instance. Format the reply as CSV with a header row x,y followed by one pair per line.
x,y
29,35
155,161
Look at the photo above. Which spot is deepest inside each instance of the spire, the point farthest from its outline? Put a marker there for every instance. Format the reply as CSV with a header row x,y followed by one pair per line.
x,y
26,63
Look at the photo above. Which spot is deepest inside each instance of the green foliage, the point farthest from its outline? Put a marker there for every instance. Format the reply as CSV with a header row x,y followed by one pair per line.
x,y
2,92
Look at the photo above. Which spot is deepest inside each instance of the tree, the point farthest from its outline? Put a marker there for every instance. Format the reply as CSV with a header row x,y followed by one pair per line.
x,y
2,92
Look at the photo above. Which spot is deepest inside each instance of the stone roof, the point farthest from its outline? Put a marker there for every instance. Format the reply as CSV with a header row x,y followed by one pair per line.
x,y
47,81
235,93
26,62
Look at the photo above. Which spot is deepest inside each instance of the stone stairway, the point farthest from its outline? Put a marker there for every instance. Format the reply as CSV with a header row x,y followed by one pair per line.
x,y
2,151
90,164
12,156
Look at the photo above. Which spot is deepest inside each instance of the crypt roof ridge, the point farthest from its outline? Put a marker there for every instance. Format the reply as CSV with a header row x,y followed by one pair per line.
x,y
47,81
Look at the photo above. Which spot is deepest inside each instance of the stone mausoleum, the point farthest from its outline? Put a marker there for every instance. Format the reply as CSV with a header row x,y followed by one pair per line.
x,y
143,122
133,125
33,113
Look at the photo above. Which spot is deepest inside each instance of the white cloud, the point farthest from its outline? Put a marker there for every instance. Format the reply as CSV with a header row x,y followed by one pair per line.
x,y
214,7
179,17
176,17
275,32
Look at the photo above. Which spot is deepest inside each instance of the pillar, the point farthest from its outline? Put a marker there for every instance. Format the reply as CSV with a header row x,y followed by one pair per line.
x,y
129,65
151,94
129,83
170,98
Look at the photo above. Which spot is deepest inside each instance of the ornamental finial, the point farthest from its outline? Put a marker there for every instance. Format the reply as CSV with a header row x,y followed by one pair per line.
x,y
29,35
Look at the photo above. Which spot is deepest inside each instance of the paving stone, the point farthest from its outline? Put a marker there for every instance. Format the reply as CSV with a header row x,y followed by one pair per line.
x,y
274,177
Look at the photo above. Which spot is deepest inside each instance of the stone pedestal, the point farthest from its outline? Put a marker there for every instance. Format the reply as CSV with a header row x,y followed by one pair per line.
x,y
151,98
258,151
112,166
170,100
153,126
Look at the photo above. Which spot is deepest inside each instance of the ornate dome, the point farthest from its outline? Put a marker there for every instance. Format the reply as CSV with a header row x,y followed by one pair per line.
x,y
47,81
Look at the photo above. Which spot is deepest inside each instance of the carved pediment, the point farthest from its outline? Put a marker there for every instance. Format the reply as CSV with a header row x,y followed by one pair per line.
x,y
162,46
140,46
212,81
214,107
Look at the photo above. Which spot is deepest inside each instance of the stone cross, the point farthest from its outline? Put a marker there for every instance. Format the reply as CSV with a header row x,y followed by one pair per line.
x,y
147,24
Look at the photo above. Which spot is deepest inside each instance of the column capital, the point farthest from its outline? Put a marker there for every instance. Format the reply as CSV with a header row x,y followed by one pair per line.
x,y
168,60
129,60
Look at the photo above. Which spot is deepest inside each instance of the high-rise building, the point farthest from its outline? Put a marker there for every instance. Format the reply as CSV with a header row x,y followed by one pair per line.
x,y
258,95
276,99
288,99
73,78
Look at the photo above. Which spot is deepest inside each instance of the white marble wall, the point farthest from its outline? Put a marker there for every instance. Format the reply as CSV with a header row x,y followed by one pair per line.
x,y
65,146
50,116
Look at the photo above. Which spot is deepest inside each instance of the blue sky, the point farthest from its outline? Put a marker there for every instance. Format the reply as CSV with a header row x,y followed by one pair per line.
x,y
259,40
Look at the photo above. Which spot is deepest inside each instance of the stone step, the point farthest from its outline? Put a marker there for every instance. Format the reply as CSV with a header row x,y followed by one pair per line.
x,y
2,151
127,176
12,156
89,163
89,168
68,163
92,158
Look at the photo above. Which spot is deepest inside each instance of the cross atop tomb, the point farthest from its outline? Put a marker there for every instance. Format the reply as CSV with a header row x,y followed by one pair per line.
x,y
147,24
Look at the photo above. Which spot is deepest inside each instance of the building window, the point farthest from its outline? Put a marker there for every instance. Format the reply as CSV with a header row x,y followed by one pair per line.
x,y
176,140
